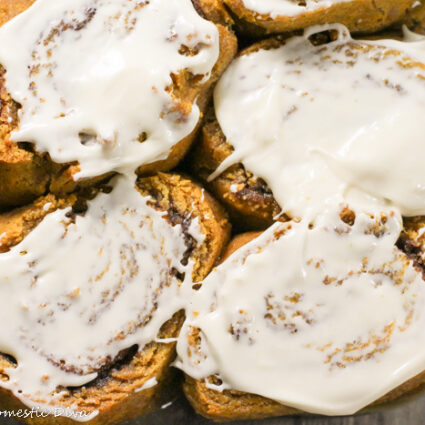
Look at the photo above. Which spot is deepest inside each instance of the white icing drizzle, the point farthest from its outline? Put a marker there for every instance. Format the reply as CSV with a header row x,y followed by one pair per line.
x,y
166,405
165,340
323,313
94,76
107,285
288,8
150,383
47,206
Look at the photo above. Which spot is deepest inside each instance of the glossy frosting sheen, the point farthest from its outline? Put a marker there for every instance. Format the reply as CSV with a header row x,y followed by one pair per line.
x,y
107,285
94,78
289,8
323,313
329,120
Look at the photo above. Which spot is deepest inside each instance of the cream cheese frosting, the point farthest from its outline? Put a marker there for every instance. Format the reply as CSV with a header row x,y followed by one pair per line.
x,y
327,120
108,284
94,78
323,313
94,81
324,319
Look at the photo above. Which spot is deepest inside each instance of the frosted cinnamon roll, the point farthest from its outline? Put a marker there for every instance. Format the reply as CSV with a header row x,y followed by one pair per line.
x,y
324,311
93,291
98,87
299,83
286,316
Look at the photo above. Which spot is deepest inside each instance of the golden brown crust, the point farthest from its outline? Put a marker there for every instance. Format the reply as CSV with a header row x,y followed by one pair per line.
x,y
357,15
214,11
22,181
114,394
415,18
22,174
186,200
231,405
115,397
248,199
25,175
10,8
16,224
238,242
